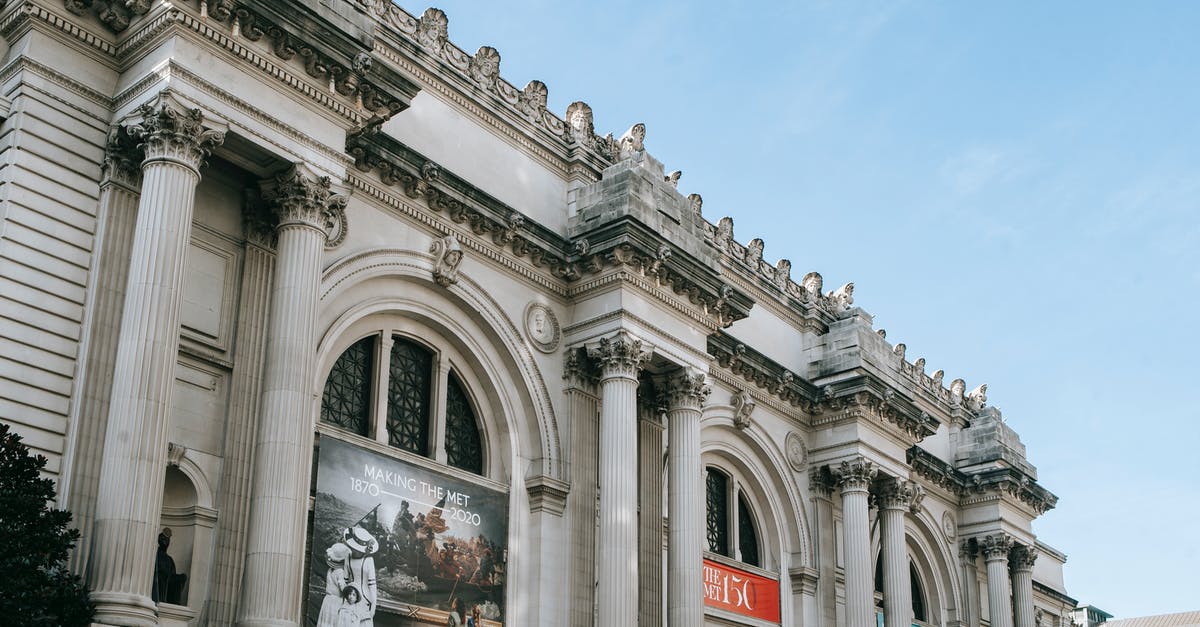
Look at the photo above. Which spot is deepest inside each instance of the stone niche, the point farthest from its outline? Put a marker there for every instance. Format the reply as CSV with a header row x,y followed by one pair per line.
x,y
187,512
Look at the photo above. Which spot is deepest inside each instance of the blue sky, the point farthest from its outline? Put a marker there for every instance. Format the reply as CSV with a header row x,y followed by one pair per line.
x,y
1014,188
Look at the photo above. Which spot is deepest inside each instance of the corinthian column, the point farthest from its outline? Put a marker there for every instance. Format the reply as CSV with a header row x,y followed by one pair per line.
x,y
896,498
620,357
854,476
995,550
686,392
129,497
272,578
1022,560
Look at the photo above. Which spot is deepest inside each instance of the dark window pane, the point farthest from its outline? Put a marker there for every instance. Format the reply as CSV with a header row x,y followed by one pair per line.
x,y
918,594
347,398
717,496
409,379
463,447
747,534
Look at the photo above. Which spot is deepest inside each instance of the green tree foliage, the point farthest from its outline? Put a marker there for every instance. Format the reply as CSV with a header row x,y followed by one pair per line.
x,y
36,588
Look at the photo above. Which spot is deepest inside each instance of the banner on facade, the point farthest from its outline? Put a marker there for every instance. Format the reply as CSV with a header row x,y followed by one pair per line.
x,y
740,592
389,535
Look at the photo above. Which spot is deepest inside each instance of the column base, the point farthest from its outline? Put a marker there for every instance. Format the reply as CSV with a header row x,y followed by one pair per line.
x,y
124,609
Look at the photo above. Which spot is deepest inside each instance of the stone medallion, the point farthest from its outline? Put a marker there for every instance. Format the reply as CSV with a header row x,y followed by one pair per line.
x,y
948,525
541,327
796,454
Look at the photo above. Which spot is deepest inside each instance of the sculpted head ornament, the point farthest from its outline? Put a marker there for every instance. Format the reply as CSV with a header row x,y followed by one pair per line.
x,y
485,67
754,252
812,284
957,387
696,203
743,405
783,273
579,119
432,29
447,257
532,100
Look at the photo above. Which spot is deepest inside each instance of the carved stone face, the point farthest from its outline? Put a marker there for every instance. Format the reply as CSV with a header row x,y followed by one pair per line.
x,y
812,283
579,121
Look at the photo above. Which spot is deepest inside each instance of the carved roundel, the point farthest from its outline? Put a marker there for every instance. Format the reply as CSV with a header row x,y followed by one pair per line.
x,y
796,453
948,525
541,327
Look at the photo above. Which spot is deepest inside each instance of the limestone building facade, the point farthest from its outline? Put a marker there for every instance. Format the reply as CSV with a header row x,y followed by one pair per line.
x,y
332,301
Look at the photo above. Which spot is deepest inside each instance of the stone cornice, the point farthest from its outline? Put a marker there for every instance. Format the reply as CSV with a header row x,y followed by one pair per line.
x,y
867,396
624,245
983,486
768,375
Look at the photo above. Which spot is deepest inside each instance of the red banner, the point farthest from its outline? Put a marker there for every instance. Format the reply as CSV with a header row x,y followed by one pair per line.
x,y
740,592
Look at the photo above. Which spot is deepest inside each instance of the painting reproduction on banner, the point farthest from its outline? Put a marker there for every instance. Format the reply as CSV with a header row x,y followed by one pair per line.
x,y
394,537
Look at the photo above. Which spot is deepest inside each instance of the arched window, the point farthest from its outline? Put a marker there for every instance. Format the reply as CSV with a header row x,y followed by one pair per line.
x,y
425,400
723,535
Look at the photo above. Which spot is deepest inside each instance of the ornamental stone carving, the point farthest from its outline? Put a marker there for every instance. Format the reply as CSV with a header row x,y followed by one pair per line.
x,y
672,179
433,29
531,102
122,159
541,327
795,451
687,389
900,494
957,388
633,141
114,14
948,526
841,298
855,474
995,546
447,257
754,252
812,284
696,202
743,405
724,233
1023,557
298,196
621,355
783,274
485,67
977,398
168,131
579,123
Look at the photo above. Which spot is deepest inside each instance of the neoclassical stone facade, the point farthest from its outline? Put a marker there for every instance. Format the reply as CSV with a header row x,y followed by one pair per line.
x,y
243,241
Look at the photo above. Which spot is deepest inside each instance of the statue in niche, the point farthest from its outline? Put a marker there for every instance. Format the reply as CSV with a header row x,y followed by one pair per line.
x,y
168,585
579,123
633,141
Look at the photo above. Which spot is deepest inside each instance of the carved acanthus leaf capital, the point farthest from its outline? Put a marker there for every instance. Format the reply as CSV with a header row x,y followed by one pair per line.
x,y
621,355
900,494
169,131
687,389
1023,557
298,196
122,158
995,546
855,474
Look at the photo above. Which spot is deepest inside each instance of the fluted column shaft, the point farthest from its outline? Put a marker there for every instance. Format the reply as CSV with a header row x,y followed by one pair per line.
x,y
271,582
895,499
995,550
685,499
1023,558
620,358
129,496
854,478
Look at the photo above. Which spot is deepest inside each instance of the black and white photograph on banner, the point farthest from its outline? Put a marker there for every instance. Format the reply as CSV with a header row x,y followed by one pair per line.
x,y
393,537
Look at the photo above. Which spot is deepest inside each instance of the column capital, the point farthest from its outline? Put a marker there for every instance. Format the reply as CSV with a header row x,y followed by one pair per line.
x,y
687,389
996,546
902,494
122,159
855,474
169,131
621,355
299,196
1022,557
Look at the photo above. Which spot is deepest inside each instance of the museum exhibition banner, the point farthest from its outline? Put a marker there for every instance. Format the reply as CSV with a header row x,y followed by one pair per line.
x,y
392,536
740,592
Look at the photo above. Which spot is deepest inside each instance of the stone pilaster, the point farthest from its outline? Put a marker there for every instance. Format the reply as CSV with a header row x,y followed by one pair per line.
x,y
822,483
245,394
581,500
968,554
271,582
686,392
1021,561
995,550
620,357
120,190
650,512
854,478
124,543
896,497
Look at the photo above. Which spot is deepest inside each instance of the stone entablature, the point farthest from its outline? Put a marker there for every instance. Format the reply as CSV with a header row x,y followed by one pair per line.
x,y
768,375
981,486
